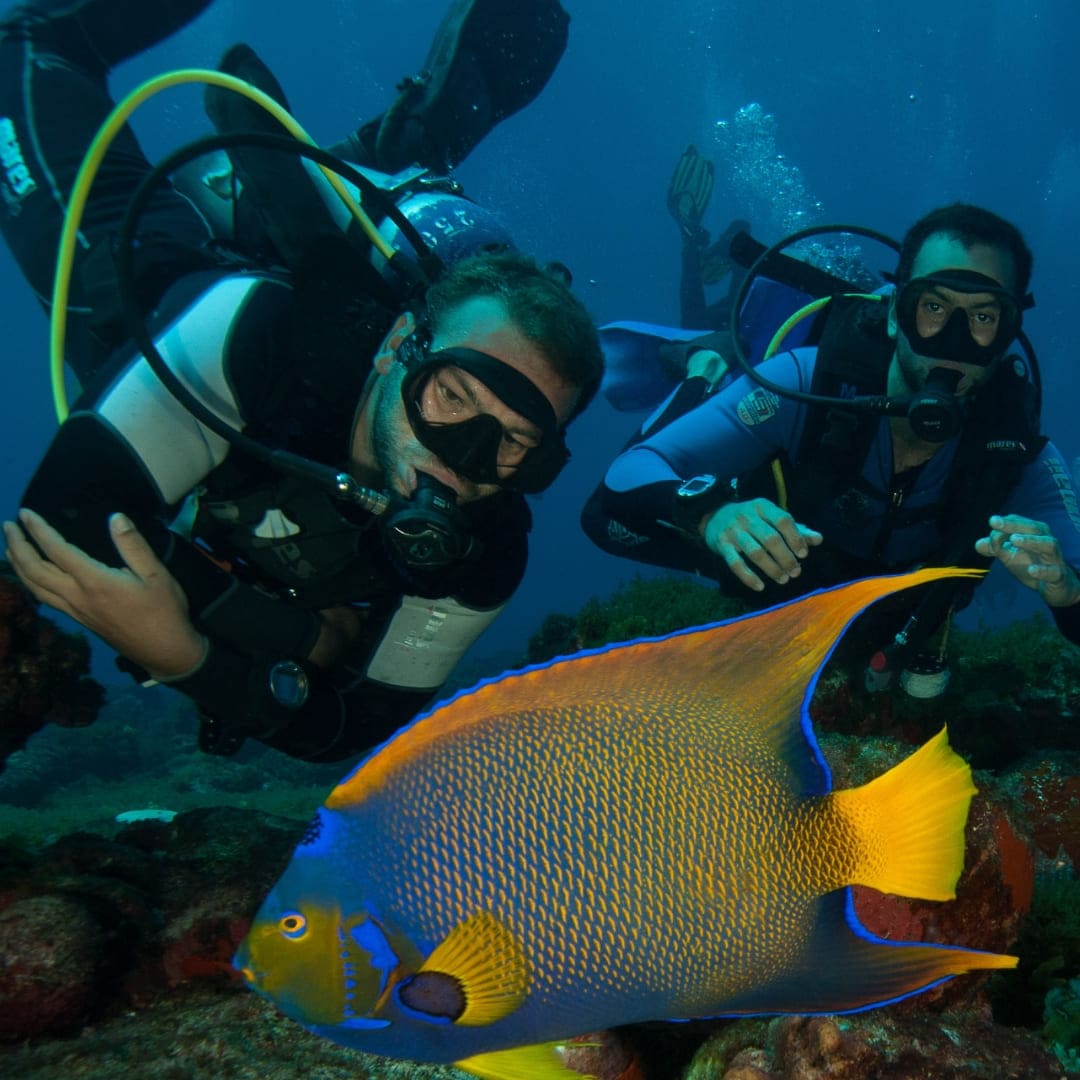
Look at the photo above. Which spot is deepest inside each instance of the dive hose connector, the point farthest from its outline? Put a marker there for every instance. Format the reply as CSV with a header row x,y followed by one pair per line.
x,y
374,502
340,485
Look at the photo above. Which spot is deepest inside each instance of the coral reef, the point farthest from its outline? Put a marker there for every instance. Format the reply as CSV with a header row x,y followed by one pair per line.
x,y
89,924
883,1045
43,671
116,939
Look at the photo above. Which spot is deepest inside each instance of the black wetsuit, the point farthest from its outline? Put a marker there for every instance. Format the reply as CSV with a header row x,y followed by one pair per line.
x,y
264,553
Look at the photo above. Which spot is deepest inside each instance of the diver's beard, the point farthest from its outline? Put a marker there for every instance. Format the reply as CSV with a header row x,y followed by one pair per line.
x,y
907,365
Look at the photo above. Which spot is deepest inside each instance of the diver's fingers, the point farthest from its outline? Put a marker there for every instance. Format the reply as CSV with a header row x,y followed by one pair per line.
x,y
742,532
1016,523
737,565
798,538
770,554
63,555
139,557
38,575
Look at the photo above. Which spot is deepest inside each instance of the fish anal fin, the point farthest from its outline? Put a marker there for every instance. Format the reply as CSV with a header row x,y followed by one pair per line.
x,y
540,1062
847,969
488,964
909,823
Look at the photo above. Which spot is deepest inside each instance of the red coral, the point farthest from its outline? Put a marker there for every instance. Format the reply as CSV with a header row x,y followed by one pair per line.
x,y
1052,801
1017,863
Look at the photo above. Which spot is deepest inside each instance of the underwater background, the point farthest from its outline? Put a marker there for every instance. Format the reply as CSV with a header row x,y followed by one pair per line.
x,y
863,112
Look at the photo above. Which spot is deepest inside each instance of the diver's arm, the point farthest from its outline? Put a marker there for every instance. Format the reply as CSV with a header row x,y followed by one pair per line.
x,y
398,656
139,452
729,434
1038,542
641,512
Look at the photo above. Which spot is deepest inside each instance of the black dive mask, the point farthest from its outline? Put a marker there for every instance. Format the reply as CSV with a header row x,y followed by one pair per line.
x,y
954,341
471,447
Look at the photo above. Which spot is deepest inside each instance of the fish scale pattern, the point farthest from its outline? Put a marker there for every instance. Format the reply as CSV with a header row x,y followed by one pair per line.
x,y
629,868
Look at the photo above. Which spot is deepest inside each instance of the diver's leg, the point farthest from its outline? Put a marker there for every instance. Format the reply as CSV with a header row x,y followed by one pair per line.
x,y
489,59
54,58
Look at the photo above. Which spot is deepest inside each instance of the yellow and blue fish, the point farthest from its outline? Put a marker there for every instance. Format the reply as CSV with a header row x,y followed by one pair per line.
x,y
642,832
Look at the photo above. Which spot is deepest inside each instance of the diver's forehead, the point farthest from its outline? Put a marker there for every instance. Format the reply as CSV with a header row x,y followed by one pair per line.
x,y
941,252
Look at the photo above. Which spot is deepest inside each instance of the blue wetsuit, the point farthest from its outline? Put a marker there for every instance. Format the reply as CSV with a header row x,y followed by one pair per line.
x,y
884,522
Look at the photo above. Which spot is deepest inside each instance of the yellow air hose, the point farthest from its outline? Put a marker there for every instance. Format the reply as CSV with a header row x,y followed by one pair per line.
x,y
774,347
99,146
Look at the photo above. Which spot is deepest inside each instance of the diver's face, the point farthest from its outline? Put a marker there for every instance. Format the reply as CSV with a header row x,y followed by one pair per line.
x,y
937,304
384,442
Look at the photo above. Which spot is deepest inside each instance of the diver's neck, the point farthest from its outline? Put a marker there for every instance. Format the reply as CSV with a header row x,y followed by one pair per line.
x,y
908,450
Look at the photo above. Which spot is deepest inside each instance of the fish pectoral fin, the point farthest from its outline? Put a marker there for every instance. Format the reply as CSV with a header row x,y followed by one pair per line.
x,y
476,976
540,1062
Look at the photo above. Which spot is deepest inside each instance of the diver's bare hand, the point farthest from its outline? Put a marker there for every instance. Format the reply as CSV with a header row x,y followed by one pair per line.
x,y
1032,554
758,532
139,609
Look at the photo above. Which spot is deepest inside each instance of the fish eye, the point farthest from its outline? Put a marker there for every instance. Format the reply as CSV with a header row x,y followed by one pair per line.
x,y
293,925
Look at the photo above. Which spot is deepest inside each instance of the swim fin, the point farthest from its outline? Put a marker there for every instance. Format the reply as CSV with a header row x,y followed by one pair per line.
x,y
97,34
690,190
279,213
489,59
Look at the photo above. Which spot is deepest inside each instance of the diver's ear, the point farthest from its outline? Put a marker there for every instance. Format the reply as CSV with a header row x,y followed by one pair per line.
x,y
384,357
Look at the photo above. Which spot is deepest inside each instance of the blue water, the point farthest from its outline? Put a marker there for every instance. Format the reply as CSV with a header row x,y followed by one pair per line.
x,y
881,110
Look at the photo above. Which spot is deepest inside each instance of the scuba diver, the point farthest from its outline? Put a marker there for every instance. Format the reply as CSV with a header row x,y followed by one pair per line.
x,y
295,490
703,263
909,434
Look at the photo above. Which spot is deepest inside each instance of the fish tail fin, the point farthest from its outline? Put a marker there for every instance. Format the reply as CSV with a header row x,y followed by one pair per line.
x,y
910,823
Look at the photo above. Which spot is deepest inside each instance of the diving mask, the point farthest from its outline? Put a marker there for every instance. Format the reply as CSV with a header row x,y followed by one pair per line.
x,y
940,329
475,447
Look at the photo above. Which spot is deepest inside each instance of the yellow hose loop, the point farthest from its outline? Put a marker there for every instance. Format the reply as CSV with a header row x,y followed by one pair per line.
x,y
99,146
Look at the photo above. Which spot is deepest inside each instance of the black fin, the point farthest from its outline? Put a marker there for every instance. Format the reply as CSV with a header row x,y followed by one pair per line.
x,y
489,58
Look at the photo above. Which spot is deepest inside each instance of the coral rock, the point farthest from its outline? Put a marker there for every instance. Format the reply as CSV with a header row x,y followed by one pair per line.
x,y
42,672
51,956
886,1044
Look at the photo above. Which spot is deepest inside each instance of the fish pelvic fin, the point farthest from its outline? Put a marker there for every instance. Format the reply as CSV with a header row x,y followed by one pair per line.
x,y
540,1062
486,961
909,823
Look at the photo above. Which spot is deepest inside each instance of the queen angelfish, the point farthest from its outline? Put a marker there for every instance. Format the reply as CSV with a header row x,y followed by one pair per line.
x,y
641,832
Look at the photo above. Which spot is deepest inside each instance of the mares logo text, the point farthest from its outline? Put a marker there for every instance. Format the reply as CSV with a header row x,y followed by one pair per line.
x,y
16,173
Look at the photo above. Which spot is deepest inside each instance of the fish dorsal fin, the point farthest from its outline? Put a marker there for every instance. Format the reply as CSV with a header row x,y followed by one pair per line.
x,y
484,961
540,1062
739,683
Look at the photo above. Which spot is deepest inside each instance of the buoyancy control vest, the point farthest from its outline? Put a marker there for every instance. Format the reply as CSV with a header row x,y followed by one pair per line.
x,y
999,437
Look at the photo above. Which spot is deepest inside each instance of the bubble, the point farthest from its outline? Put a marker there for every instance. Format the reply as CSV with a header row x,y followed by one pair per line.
x,y
765,186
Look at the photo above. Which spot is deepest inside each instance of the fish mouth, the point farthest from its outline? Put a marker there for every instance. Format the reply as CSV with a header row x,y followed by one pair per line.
x,y
242,963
